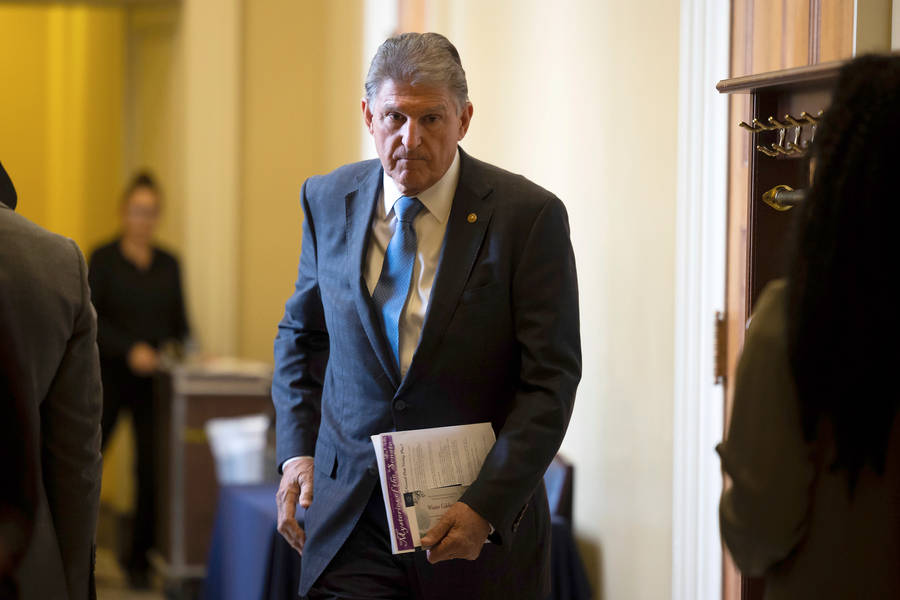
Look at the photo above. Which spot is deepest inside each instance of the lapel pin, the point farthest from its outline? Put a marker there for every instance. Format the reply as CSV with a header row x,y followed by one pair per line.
x,y
472,218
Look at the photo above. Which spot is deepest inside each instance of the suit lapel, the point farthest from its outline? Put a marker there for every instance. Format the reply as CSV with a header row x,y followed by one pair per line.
x,y
360,206
462,241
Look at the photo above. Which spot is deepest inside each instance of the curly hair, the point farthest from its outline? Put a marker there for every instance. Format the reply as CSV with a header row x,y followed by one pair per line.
x,y
844,305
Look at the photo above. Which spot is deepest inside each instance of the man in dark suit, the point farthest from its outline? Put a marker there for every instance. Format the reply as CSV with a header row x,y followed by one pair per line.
x,y
53,373
433,290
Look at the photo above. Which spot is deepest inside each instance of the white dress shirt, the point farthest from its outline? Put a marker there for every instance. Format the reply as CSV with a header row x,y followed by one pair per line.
x,y
430,226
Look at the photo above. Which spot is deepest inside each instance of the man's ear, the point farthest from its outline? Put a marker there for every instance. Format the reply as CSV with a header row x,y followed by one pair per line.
x,y
465,118
367,114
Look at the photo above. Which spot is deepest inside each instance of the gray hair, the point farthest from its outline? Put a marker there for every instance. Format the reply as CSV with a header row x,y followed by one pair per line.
x,y
418,58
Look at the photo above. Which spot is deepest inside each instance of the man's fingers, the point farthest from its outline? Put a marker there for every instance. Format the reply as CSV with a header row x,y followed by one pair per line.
x,y
449,548
288,527
460,533
296,486
437,532
291,531
306,489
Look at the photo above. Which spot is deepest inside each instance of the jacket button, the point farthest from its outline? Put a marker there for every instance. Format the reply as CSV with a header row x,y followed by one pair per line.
x,y
372,470
400,405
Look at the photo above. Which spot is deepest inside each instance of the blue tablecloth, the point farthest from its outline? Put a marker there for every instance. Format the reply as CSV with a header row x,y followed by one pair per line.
x,y
249,560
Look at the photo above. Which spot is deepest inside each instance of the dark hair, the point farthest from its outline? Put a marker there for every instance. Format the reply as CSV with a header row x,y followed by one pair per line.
x,y
142,180
844,307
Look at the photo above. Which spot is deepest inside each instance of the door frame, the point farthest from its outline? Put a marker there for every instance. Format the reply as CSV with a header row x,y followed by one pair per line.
x,y
700,293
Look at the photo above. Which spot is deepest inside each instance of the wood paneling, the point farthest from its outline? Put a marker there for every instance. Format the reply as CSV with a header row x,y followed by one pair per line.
x,y
835,29
736,262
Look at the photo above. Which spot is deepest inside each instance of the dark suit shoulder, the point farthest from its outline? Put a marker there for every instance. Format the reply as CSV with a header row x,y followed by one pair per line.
x,y
341,181
517,200
17,229
28,250
516,189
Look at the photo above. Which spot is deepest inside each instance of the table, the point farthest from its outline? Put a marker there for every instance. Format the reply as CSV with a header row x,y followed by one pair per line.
x,y
186,396
249,560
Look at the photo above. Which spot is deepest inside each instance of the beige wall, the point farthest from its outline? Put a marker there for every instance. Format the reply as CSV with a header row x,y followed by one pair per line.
x,y
581,97
302,81
154,96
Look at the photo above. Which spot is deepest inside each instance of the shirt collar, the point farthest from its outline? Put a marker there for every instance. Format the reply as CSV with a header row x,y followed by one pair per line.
x,y
438,199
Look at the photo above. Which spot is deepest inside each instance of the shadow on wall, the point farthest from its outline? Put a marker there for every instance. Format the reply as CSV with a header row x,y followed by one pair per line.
x,y
591,556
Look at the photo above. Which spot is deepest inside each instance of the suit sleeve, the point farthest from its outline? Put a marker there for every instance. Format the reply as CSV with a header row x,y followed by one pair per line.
x,y
301,354
70,438
763,515
545,314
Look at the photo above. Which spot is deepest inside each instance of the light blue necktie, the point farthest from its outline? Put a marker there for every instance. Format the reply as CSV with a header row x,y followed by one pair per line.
x,y
392,289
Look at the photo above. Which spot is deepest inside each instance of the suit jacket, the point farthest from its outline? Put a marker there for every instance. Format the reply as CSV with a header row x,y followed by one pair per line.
x,y
48,319
500,343
788,515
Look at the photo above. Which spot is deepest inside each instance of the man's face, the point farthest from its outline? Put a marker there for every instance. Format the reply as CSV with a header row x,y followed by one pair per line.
x,y
416,129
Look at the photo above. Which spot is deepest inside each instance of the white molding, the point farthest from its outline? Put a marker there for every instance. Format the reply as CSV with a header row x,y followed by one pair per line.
x,y
700,292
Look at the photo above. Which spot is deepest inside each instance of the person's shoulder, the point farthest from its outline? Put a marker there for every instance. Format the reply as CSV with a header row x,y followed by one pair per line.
x,y
515,188
342,180
165,255
104,251
19,232
43,264
769,319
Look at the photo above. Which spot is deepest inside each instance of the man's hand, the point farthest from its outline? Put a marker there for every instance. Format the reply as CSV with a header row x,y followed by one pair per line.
x,y
143,359
296,485
459,534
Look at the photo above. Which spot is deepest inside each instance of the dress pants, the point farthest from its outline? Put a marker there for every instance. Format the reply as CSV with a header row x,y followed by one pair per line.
x,y
364,568
123,389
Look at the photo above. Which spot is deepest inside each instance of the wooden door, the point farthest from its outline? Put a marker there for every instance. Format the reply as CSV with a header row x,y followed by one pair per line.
x,y
766,35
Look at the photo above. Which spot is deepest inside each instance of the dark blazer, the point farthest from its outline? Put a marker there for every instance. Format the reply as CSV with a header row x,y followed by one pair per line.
x,y
48,319
500,343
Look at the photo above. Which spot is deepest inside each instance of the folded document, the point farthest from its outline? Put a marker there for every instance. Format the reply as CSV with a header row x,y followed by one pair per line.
x,y
424,472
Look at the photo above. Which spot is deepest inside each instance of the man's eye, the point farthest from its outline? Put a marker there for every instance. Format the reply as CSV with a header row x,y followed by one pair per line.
x,y
396,117
432,118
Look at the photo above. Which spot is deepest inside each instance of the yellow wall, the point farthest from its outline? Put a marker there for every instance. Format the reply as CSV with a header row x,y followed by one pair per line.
x,y
61,138
23,104
61,114
301,88
581,97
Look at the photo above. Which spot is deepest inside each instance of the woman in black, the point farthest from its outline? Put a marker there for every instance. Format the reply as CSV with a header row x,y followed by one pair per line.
x,y
136,290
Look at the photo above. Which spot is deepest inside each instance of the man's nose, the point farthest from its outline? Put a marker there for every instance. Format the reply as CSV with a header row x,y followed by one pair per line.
x,y
411,137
